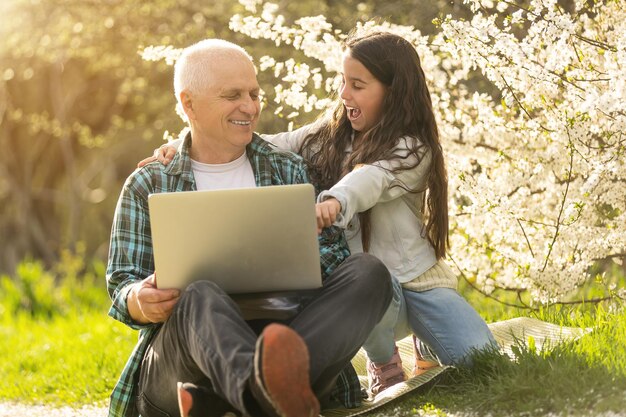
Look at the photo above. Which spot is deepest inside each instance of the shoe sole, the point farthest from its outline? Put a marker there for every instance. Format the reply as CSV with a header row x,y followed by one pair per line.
x,y
285,372
421,367
184,400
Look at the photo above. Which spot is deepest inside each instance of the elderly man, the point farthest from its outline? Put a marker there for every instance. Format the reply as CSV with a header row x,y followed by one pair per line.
x,y
198,336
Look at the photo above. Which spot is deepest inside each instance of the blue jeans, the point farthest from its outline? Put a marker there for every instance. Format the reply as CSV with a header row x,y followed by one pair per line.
x,y
448,328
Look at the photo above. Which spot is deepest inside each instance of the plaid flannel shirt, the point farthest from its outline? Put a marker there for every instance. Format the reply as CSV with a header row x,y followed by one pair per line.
x,y
131,257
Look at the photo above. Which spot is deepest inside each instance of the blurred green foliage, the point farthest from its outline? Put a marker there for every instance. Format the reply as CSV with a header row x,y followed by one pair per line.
x,y
71,287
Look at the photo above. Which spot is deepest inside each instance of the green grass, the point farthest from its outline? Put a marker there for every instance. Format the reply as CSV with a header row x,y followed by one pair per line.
x,y
70,360
586,377
57,344
72,354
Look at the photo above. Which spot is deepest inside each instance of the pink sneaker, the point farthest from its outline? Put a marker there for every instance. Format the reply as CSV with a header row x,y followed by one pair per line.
x,y
383,376
421,365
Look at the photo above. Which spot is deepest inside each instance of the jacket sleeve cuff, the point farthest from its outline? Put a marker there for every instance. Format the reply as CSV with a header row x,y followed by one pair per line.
x,y
119,310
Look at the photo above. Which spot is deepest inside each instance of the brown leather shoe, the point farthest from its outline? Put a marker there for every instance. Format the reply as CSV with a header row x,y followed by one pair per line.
x,y
281,374
185,400
198,401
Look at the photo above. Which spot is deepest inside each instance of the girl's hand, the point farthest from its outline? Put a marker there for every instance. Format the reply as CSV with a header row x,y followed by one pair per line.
x,y
164,154
326,213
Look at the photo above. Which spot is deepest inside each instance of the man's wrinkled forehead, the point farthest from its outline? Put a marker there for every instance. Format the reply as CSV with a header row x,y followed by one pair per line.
x,y
232,72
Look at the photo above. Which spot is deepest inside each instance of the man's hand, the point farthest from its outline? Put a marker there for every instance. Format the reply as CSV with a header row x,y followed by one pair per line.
x,y
149,304
164,154
326,213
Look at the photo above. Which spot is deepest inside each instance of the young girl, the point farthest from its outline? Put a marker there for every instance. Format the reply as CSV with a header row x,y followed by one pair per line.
x,y
379,159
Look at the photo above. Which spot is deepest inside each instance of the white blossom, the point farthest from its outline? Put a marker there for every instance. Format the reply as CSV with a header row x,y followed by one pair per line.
x,y
159,52
537,173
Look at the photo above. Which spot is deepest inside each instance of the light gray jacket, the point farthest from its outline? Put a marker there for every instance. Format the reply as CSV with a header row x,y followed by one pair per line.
x,y
397,230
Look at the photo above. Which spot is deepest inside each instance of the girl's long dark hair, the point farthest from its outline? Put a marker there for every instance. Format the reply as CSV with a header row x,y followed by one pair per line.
x,y
407,112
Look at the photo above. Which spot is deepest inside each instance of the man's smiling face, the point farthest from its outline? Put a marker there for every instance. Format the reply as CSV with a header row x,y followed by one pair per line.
x,y
227,111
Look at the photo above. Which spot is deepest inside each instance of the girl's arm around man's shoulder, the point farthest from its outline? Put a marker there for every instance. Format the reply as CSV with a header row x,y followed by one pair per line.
x,y
292,141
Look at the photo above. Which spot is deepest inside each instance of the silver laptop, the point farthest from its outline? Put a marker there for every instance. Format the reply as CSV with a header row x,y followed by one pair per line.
x,y
246,240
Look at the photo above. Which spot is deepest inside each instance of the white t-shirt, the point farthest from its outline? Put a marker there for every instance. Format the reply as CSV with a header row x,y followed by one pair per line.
x,y
235,174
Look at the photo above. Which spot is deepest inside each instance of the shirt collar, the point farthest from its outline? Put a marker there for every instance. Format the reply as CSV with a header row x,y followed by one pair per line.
x,y
181,163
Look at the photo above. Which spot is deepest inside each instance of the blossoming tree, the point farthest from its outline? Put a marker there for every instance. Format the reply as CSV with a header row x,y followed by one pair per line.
x,y
536,161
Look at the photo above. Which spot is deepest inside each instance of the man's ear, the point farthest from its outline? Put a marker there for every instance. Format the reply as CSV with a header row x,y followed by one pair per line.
x,y
186,101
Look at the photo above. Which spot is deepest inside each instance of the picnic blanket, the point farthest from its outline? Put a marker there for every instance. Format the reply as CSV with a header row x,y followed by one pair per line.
x,y
507,333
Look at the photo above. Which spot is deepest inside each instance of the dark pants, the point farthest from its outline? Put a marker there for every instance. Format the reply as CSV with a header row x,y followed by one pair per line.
x,y
207,342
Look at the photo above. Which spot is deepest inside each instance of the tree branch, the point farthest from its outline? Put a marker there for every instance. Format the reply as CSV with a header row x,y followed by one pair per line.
x,y
558,220
526,237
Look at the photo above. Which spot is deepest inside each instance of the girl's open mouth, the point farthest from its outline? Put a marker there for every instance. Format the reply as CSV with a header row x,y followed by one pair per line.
x,y
353,113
